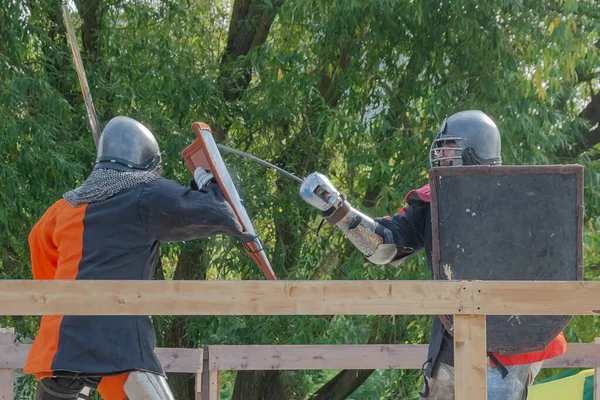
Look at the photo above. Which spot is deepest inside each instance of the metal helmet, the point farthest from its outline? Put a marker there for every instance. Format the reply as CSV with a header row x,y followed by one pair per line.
x,y
466,138
127,145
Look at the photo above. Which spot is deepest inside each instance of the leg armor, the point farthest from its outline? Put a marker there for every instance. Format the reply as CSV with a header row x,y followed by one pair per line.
x,y
143,385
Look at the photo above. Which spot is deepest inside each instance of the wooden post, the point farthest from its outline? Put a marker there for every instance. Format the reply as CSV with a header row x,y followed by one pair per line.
x,y
198,386
215,385
7,336
198,382
470,357
205,383
597,376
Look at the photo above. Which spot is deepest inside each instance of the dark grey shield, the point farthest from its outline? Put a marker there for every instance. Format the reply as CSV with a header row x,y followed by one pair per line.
x,y
509,223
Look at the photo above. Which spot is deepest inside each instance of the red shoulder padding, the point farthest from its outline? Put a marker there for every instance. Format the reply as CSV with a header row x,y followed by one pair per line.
x,y
420,194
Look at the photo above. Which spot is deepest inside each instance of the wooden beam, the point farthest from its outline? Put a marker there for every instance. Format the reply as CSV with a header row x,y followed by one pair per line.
x,y
180,360
470,358
536,297
597,377
7,337
198,380
578,355
172,359
215,385
27,297
198,386
295,357
205,388
13,356
400,356
301,357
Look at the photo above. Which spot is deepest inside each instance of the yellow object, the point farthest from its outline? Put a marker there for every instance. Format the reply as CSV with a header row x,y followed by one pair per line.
x,y
569,388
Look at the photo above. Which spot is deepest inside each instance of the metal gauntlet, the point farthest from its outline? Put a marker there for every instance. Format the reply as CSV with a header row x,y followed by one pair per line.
x,y
368,236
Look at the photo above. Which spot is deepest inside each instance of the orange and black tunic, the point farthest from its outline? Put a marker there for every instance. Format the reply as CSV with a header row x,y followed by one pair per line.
x,y
118,239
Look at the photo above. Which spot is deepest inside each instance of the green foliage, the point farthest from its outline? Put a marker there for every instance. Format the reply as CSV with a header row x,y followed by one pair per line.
x,y
354,89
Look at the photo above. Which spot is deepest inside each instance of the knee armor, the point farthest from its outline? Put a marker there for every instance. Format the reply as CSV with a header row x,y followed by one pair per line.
x,y
142,385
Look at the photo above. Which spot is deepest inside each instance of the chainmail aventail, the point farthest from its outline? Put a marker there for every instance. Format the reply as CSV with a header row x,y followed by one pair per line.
x,y
105,183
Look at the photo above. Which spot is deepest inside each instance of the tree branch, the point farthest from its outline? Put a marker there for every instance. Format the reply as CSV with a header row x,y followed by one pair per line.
x,y
251,21
90,12
347,381
589,139
259,385
342,385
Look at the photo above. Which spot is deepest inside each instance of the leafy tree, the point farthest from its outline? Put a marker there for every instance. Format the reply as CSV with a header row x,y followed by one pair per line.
x,y
354,89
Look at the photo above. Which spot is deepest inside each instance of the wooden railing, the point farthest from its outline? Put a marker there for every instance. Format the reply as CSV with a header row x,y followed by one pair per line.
x,y
207,362
468,301
13,356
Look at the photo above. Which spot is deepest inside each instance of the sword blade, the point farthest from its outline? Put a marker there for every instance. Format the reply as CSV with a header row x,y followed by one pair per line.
x,y
260,161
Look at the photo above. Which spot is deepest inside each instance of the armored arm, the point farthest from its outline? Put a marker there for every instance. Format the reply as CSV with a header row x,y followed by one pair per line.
x,y
173,213
371,238
374,240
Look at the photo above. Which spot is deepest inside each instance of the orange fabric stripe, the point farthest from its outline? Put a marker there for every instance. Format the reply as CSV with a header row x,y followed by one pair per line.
x,y
44,346
556,348
56,243
44,252
111,387
41,375
69,237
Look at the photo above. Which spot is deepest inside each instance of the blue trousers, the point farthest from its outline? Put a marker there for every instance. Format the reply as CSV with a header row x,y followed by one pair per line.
x,y
512,387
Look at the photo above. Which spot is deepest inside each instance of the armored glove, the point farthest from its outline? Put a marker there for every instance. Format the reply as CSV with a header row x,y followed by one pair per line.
x,y
372,239
320,193
203,177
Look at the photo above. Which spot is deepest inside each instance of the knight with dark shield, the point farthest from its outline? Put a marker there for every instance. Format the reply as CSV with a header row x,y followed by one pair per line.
x,y
489,222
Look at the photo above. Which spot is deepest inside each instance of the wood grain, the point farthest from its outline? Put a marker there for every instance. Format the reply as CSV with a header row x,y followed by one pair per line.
x,y
28,297
536,297
470,357
299,357
7,337
215,385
